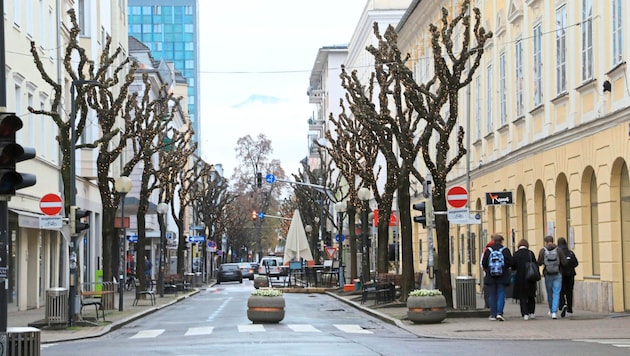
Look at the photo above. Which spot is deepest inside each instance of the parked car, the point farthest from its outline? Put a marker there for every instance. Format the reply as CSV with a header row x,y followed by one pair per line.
x,y
247,269
229,272
270,265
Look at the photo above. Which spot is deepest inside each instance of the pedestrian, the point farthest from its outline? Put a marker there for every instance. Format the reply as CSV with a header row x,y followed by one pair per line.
x,y
147,272
485,288
568,279
497,261
524,290
552,258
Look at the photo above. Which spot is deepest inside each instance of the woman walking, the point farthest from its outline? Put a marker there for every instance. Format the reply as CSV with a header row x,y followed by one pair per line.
x,y
524,290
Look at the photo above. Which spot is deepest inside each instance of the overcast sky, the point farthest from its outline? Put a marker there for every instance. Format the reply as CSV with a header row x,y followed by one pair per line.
x,y
255,63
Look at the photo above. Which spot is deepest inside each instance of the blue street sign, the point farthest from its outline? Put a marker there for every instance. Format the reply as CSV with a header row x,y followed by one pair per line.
x,y
342,238
212,244
132,238
270,178
196,239
261,215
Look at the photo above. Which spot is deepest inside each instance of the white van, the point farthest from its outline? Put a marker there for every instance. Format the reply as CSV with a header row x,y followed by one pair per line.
x,y
271,263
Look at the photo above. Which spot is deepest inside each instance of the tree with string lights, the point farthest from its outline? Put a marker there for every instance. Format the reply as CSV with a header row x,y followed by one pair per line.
x,y
414,117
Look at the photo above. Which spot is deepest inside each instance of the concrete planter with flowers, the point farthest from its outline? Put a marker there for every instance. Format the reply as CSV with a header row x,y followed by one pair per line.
x,y
265,306
426,306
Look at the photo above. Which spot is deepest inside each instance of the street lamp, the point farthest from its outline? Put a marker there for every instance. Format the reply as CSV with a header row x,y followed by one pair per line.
x,y
364,195
123,186
162,209
340,208
72,291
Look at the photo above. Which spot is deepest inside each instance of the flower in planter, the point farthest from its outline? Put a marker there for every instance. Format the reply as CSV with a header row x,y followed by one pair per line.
x,y
424,292
267,292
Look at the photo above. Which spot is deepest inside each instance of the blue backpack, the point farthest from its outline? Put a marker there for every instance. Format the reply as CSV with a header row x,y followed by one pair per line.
x,y
496,261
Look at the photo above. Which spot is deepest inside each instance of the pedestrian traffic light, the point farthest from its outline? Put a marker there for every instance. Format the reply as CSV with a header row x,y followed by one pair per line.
x,y
76,220
422,219
254,215
259,180
11,153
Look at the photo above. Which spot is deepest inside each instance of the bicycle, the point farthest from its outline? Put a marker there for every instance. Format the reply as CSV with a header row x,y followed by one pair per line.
x,y
131,281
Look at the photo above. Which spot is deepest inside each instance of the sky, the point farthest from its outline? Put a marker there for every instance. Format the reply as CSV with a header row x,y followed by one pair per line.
x,y
256,59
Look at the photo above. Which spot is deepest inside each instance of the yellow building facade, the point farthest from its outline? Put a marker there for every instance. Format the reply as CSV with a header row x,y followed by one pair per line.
x,y
547,123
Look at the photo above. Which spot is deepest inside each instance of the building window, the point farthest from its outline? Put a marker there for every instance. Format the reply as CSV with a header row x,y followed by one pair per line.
x,y
561,50
489,99
594,223
518,64
188,28
587,39
502,89
538,89
17,12
82,18
617,31
478,106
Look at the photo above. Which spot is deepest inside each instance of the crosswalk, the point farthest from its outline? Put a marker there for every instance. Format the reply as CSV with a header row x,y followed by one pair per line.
x,y
254,328
621,343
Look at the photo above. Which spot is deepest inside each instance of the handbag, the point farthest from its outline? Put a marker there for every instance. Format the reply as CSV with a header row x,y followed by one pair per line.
x,y
532,271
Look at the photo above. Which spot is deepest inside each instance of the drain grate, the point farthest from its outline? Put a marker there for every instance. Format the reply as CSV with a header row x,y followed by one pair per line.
x,y
473,330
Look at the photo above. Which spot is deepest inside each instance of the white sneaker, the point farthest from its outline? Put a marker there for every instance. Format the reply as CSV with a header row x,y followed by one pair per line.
x,y
500,317
554,316
526,317
532,316
569,315
491,318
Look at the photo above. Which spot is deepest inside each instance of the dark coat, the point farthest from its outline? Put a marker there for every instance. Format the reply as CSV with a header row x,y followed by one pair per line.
x,y
522,287
507,258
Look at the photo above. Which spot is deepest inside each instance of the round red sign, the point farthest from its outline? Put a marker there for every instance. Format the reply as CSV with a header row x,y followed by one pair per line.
x,y
457,197
50,204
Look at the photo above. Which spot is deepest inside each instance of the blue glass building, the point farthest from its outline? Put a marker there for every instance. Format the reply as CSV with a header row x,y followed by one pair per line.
x,y
170,29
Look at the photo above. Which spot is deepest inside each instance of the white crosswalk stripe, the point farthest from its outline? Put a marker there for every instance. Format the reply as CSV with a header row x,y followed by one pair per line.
x,y
621,343
252,328
145,334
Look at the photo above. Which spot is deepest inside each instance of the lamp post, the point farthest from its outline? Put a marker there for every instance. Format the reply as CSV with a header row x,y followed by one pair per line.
x,y
123,186
364,195
72,256
162,209
340,208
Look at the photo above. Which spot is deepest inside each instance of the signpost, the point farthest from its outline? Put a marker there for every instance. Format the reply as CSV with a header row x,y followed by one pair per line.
x,y
51,204
457,197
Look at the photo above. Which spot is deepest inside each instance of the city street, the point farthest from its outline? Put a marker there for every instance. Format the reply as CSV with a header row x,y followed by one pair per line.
x,y
215,322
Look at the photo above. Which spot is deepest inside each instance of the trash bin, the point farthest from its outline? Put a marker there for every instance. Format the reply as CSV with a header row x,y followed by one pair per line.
x,y
465,291
56,306
107,299
24,341
197,280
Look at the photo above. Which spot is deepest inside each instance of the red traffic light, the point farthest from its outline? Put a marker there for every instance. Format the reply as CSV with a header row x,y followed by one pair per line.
x,y
254,215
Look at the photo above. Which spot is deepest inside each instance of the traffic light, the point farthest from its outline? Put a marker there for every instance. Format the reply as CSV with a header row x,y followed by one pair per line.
x,y
11,153
259,180
76,223
254,215
422,219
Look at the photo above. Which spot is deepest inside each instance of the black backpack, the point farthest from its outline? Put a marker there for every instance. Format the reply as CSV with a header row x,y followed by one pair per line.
x,y
572,262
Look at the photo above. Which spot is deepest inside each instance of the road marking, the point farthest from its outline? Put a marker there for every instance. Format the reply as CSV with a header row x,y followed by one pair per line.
x,y
251,328
303,328
145,334
219,308
206,330
352,329
621,343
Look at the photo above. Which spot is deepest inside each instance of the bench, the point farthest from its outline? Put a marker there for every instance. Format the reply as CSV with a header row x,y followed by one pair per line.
x,y
176,282
382,291
98,304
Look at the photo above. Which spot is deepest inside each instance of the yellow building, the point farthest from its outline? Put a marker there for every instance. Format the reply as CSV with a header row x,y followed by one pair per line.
x,y
546,117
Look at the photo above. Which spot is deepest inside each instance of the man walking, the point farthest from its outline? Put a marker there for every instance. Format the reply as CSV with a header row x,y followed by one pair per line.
x,y
552,257
496,261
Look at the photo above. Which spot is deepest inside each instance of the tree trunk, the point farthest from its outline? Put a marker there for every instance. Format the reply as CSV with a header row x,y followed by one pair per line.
x,y
406,236
181,247
352,235
442,234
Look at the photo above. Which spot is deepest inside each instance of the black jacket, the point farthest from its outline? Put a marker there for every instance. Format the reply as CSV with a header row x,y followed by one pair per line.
x,y
572,261
522,287
507,259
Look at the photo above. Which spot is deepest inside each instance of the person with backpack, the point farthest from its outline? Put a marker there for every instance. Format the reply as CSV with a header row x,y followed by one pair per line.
x,y
524,289
568,279
496,262
551,257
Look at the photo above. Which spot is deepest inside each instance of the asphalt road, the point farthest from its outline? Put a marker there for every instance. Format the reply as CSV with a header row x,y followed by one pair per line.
x,y
214,322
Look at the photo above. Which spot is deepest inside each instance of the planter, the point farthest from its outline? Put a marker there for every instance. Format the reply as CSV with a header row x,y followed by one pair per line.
x,y
426,309
265,309
261,282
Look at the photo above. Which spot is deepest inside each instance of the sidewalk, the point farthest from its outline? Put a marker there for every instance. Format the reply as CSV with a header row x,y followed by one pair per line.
x,y
583,325
114,319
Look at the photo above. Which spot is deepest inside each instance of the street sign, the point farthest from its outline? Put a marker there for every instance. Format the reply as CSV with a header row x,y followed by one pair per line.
x,y
132,238
458,216
330,251
196,239
340,238
50,222
270,178
261,215
50,204
457,197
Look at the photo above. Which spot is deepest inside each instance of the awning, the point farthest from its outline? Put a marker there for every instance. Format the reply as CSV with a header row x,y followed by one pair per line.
x,y
131,206
27,218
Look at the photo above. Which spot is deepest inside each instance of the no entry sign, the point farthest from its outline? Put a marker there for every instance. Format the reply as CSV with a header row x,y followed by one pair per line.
x,y
457,197
50,204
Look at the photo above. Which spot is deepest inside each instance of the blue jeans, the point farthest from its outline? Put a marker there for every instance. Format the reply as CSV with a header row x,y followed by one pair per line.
x,y
553,284
496,293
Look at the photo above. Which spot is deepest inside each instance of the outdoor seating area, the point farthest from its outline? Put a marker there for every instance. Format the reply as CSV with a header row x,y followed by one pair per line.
x,y
148,293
